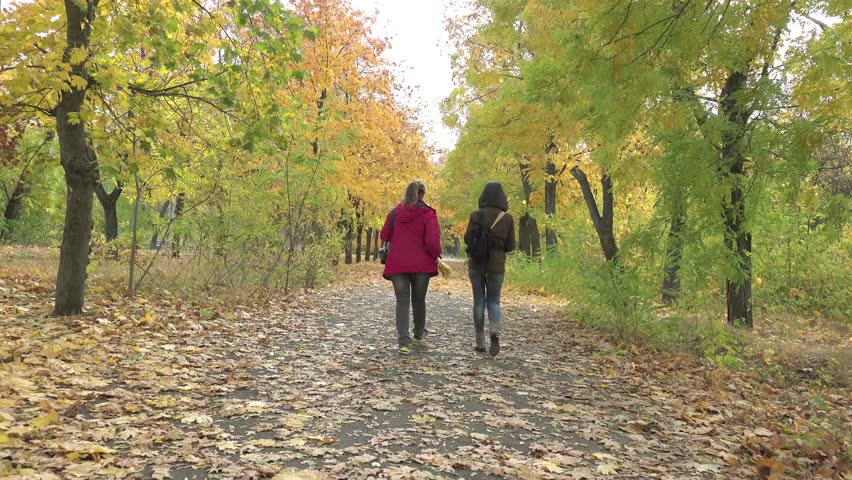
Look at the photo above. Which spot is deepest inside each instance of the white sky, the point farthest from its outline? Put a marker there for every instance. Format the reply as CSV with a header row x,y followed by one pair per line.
x,y
418,43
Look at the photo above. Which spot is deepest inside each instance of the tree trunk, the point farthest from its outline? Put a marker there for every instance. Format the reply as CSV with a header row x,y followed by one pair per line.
x,y
602,221
108,202
674,254
376,246
369,244
529,240
15,205
134,226
358,238
79,163
164,211
347,246
176,238
737,238
320,103
550,203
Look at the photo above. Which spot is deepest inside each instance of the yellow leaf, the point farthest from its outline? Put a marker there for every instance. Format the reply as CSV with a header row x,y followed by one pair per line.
x,y
77,55
9,442
607,469
296,442
18,384
85,447
82,470
551,467
417,418
163,402
256,406
197,418
46,420
300,475
78,82
320,439
113,471
294,423
263,442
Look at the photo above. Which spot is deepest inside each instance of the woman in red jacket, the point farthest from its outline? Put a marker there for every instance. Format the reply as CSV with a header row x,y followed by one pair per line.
x,y
415,246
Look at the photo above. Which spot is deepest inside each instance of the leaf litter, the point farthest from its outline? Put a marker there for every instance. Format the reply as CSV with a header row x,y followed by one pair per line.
x,y
310,387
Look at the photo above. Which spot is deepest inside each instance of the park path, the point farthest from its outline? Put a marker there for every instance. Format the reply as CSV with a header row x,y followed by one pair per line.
x,y
315,383
170,387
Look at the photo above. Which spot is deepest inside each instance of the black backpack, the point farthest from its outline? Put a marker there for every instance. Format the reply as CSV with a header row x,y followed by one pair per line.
x,y
481,243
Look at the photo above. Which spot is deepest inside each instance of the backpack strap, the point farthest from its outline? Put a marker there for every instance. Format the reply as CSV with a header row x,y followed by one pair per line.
x,y
499,216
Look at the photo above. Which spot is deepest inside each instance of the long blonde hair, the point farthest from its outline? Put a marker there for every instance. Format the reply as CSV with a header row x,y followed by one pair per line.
x,y
414,192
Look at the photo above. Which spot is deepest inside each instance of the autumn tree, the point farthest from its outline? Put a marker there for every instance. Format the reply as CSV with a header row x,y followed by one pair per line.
x,y
374,143
710,87
76,74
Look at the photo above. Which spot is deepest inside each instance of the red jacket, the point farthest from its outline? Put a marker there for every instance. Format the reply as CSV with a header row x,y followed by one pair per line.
x,y
415,240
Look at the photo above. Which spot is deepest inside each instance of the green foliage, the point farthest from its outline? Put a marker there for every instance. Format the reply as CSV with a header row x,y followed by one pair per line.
x,y
262,124
618,300
805,271
44,208
712,117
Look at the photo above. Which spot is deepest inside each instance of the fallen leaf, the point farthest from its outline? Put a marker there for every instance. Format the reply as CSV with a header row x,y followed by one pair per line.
x,y
551,467
50,418
299,475
198,418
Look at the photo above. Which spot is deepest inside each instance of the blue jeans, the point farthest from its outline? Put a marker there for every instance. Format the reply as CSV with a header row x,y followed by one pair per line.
x,y
486,294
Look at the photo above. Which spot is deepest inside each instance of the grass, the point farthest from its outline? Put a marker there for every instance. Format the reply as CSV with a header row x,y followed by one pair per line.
x,y
784,347
188,275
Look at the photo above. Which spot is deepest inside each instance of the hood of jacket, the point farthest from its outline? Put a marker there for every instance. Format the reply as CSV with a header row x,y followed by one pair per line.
x,y
408,213
493,196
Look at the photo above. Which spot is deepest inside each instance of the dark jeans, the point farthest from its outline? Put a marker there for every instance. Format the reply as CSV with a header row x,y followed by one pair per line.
x,y
486,294
410,288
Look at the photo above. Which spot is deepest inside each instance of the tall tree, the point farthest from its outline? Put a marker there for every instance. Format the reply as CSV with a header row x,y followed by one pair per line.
x,y
78,160
639,70
89,75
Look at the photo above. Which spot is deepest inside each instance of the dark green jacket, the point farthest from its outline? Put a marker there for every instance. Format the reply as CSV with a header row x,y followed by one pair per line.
x,y
491,203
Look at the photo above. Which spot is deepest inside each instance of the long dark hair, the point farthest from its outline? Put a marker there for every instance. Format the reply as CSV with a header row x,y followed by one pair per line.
x,y
414,192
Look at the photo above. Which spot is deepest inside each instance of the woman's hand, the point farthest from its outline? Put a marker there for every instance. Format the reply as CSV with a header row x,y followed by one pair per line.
x,y
444,269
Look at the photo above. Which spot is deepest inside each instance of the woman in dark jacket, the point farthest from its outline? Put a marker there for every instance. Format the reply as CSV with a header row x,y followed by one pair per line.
x,y
486,277
415,245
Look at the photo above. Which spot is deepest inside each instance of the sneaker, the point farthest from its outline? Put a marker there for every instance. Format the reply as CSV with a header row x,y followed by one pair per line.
x,y
404,351
494,349
417,342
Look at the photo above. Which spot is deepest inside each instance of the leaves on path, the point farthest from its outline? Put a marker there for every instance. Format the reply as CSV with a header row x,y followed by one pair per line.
x,y
311,387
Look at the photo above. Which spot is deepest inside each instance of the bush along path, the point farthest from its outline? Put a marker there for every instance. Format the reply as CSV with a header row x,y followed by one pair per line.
x,y
312,387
